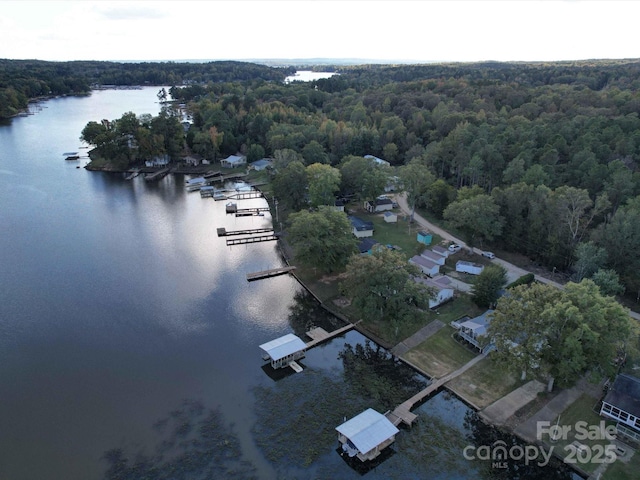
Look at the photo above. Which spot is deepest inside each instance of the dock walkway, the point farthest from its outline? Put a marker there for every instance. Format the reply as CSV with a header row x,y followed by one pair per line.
x,y
319,335
223,232
270,273
417,338
402,412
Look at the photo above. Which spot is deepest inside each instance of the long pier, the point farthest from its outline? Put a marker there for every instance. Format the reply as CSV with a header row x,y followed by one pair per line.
x,y
268,273
403,414
319,334
257,239
228,176
245,195
157,175
223,232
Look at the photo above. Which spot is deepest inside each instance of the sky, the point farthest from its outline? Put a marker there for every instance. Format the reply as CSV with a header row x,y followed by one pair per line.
x,y
417,30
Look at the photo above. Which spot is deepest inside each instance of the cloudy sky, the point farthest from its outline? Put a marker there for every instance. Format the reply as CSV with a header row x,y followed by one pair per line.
x,y
421,30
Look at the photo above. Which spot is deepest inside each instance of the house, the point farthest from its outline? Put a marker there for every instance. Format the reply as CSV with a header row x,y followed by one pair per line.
x,y
261,164
366,435
158,161
434,257
233,161
474,331
390,217
425,265
378,161
469,267
622,404
366,245
339,205
440,250
424,237
380,204
361,228
441,285
284,350
193,160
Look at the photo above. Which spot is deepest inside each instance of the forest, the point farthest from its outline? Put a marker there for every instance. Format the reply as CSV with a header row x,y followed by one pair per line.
x,y
538,159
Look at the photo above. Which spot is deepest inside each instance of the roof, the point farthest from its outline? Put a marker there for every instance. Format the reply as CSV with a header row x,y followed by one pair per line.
x,y
377,160
366,244
235,159
625,394
390,214
439,250
439,283
367,430
471,264
264,162
196,180
383,201
479,324
360,224
283,346
432,255
422,233
424,262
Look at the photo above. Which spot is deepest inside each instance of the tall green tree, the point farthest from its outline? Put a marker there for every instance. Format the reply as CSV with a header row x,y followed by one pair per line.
x,y
381,286
559,334
322,239
487,286
290,185
478,218
416,180
324,182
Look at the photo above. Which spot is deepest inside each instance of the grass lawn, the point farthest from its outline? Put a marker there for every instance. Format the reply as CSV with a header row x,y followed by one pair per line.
x,y
484,383
623,471
439,354
581,411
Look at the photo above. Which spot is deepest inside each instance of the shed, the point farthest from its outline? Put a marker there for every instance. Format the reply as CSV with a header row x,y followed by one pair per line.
x,y
440,250
424,237
390,217
366,245
366,435
469,267
284,350
378,205
361,228
434,257
233,161
622,404
425,265
441,285
378,161
261,164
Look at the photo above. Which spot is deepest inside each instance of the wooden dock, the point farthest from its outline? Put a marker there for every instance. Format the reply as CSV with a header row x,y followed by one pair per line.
x,y
403,414
245,195
268,273
157,175
229,176
133,174
319,335
223,232
256,239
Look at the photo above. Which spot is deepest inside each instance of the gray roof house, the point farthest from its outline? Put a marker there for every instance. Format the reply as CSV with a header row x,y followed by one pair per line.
x,y
622,404
441,285
425,265
233,161
366,435
361,228
474,331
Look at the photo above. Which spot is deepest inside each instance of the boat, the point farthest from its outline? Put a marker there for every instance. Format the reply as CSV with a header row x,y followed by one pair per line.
x,y
71,156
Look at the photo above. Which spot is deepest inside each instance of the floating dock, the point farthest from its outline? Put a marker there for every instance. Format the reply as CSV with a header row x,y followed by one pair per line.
x,y
223,232
156,175
257,239
245,195
268,273
320,335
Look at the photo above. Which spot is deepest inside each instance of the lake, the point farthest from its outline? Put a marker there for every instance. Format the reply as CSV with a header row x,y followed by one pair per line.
x,y
129,335
308,76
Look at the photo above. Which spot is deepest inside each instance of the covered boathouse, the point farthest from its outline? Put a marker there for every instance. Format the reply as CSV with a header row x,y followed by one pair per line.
x,y
366,435
284,351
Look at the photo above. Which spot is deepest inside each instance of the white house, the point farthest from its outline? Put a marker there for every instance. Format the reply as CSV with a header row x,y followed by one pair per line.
x,y
622,404
158,161
469,267
261,164
434,257
441,285
425,265
366,435
233,161
380,204
360,228
474,331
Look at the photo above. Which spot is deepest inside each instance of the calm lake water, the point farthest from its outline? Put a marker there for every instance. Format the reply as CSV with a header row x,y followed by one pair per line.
x,y
129,334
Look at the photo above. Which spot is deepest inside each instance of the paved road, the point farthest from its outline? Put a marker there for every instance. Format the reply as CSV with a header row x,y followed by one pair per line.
x,y
513,272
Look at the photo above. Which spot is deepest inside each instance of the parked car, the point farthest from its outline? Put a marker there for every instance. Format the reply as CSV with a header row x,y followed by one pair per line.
x,y
454,247
488,254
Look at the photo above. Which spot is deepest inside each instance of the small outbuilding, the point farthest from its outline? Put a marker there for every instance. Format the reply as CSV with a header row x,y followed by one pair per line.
x,y
469,267
361,228
442,288
284,351
261,164
425,265
434,257
380,204
390,217
440,250
424,237
366,435
233,161
366,245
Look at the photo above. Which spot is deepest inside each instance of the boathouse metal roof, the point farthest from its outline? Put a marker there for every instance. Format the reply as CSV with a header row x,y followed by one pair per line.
x,y
283,346
367,430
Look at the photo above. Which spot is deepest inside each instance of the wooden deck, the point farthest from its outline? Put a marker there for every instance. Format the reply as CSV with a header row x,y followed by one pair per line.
x,y
319,335
256,239
269,273
403,414
223,232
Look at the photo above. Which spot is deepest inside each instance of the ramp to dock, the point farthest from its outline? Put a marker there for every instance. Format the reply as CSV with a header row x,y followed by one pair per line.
x,y
269,273
403,414
319,335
